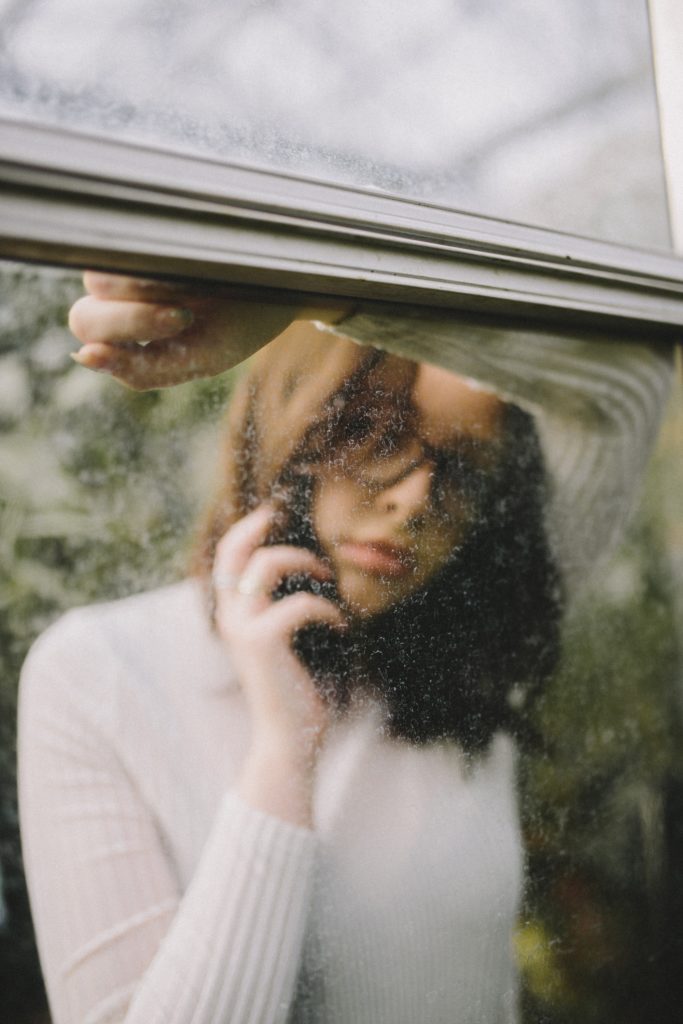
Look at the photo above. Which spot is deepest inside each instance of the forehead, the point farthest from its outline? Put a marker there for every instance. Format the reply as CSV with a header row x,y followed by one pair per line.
x,y
450,407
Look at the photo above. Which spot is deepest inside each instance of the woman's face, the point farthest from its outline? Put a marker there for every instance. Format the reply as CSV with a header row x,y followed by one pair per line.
x,y
388,519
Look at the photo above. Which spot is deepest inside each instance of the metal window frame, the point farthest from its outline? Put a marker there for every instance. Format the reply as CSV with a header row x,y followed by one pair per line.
x,y
74,198
666,26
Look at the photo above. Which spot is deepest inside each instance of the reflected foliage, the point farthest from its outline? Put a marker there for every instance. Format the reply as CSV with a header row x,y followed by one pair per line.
x,y
98,487
98,490
601,934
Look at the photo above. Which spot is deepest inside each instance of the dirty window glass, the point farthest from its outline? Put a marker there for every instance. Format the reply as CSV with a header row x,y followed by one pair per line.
x,y
537,112
495,729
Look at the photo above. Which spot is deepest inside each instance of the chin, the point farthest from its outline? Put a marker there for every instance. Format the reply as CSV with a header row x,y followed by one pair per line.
x,y
364,602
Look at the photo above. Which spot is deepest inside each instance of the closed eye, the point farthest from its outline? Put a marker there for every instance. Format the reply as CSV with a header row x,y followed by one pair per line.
x,y
464,469
390,474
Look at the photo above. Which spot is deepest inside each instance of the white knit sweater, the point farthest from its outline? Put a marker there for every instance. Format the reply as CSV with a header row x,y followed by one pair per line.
x,y
158,896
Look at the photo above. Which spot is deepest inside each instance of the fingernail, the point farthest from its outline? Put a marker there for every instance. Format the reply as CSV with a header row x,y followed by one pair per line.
x,y
80,358
176,319
77,358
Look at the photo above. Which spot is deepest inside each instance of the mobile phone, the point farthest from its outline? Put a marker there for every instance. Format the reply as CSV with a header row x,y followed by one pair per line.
x,y
304,582
324,651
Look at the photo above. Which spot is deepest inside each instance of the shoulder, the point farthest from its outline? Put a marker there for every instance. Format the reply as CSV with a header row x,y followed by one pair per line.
x,y
497,773
151,617
95,652
492,773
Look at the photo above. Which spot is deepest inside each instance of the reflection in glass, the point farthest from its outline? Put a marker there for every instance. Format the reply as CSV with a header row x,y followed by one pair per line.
x,y
413,885
538,112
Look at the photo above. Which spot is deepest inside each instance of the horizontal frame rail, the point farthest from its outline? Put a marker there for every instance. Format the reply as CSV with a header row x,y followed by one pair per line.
x,y
77,199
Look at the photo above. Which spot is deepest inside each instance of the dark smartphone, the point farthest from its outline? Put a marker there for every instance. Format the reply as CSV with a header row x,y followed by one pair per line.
x,y
303,581
325,651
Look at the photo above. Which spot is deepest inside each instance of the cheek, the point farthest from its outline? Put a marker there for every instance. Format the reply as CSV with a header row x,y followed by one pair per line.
x,y
332,510
438,543
457,516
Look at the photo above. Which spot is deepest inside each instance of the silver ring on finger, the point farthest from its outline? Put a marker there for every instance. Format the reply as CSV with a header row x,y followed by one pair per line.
x,y
225,580
251,588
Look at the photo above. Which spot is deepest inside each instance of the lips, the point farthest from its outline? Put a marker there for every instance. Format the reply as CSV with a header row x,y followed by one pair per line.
x,y
377,558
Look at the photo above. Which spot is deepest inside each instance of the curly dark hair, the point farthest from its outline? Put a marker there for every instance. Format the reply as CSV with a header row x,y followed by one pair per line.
x,y
467,654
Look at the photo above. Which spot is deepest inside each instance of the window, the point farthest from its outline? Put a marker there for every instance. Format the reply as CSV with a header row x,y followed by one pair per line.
x,y
160,197
101,485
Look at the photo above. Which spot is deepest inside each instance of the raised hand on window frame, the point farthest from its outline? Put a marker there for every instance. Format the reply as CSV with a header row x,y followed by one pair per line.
x,y
150,333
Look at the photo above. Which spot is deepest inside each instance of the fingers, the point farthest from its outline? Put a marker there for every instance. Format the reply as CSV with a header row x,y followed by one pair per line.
x,y
269,566
96,321
190,332
285,704
156,365
137,289
302,609
236,547
252,573
122,311
107,286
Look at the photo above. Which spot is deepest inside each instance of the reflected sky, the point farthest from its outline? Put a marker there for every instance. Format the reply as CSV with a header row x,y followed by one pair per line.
x,y
525,110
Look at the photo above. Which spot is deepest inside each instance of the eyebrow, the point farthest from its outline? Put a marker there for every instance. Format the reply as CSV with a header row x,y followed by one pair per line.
x,y
467,442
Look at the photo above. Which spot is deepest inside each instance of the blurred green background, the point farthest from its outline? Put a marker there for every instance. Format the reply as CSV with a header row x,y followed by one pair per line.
x,y
99,488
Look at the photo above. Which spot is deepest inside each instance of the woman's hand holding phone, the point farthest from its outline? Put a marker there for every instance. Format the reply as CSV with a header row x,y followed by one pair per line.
x,y
153,334
289,715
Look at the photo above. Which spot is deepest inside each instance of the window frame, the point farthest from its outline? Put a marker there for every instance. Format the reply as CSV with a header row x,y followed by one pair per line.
x,y
666,32
75,198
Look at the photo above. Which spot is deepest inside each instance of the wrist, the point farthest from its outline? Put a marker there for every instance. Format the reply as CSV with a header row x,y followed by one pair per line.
x,y
287,752
328,312
278,779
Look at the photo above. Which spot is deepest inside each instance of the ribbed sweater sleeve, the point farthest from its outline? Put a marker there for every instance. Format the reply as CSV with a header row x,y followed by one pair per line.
x,y
118,940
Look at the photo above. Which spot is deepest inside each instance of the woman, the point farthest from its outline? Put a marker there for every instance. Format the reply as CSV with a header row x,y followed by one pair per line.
x,y
295,800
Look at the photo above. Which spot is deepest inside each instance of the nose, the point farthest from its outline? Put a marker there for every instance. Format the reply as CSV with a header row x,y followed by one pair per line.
x,y
408,497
